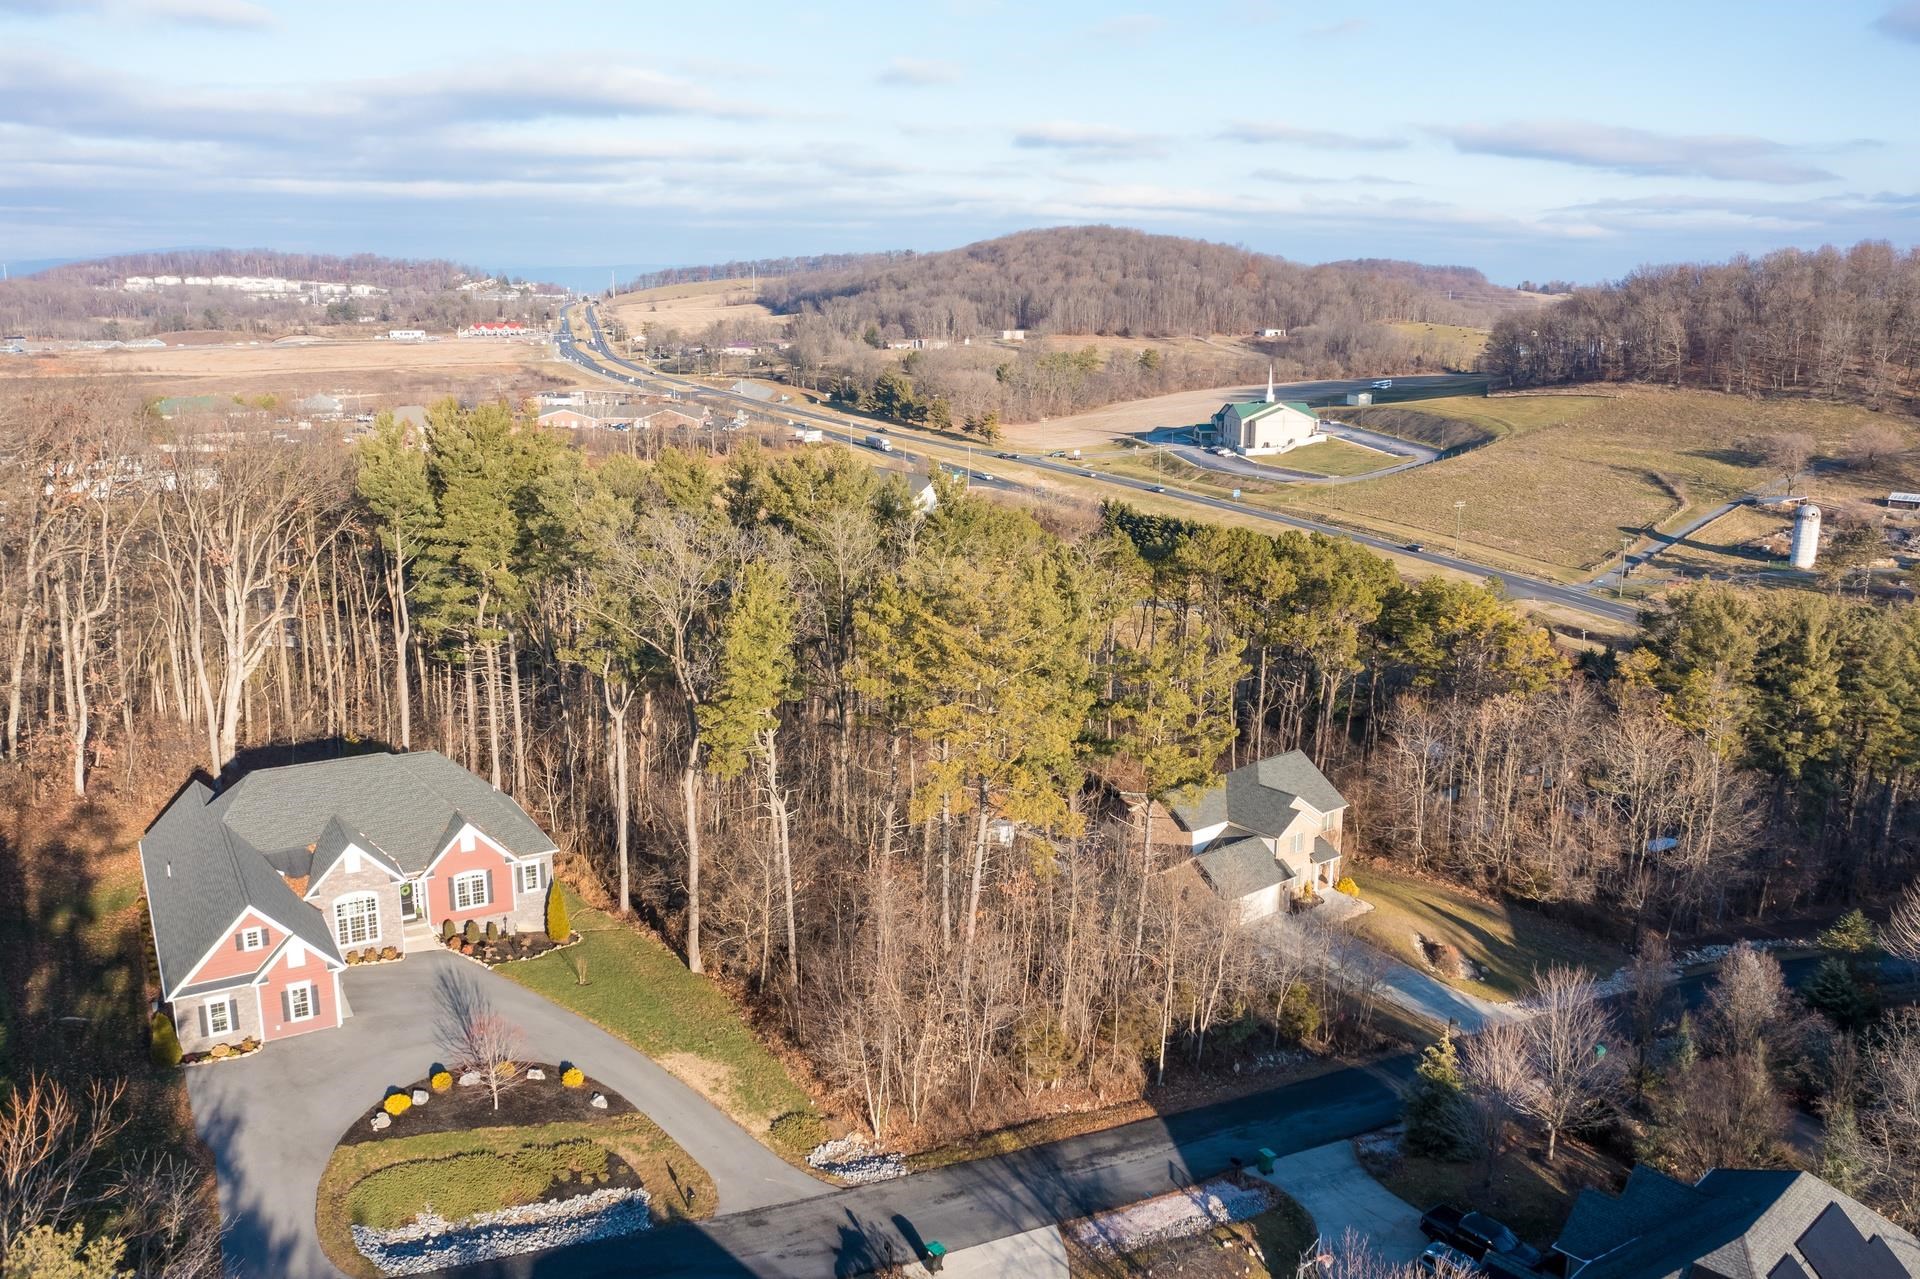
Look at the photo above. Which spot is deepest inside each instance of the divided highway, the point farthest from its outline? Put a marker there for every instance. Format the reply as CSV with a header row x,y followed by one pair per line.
x,y
1518,586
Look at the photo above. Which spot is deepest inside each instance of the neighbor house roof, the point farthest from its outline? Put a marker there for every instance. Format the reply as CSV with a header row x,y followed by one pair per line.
x,y
1734,1224
1240,866
1260,796
201,877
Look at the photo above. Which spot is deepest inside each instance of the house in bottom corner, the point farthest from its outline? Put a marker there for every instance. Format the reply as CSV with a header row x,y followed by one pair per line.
x,y
1731,1224
258,892
1266,833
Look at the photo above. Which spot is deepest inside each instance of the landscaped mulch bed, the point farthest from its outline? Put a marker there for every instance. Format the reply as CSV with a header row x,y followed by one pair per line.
x,y
507,947
527,1102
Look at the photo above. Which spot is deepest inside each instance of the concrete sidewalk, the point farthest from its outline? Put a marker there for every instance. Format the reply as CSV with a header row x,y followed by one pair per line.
x,y
1037,1254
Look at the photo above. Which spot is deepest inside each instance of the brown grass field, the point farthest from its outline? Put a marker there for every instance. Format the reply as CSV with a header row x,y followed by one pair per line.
x,y
1568,475
379,369
690,306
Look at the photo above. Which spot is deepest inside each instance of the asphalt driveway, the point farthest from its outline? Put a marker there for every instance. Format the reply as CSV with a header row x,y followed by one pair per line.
x,y
272,1120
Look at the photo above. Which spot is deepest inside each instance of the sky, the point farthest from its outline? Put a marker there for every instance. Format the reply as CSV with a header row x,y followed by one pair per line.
x,y
1532,140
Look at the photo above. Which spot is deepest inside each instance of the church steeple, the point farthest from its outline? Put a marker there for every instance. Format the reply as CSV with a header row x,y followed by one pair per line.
x,y
1269,382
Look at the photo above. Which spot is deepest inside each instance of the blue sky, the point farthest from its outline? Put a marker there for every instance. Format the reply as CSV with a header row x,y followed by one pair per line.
x,y
1528,139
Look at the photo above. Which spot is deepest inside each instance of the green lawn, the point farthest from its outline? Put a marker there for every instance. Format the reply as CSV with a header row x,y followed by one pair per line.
x,y
1507,943
390,1181
1332,457
639,990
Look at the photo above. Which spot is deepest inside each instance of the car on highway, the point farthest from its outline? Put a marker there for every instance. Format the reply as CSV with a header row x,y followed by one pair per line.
x,y
1159,488
1006,455
1089,474
1415,547
1384,384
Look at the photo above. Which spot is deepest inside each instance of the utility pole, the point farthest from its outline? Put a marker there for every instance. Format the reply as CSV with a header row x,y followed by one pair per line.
x,y
1458,507
1620,585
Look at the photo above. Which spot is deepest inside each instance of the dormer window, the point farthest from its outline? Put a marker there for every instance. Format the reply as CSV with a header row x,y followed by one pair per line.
x,y
253,938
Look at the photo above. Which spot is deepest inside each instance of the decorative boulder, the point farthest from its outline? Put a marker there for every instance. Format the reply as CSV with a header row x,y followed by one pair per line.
x,y
535,1073
420,1096
469,1079
382,1120
598,1101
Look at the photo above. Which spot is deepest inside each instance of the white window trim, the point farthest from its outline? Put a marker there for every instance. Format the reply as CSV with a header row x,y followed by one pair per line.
x,y
339,923
252,938
522,873
485,894
225,1005
313,1002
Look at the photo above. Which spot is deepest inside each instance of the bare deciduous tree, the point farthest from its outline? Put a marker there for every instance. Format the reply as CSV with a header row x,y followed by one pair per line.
x,y
1902,933
1574,1077
53,1143
492,1047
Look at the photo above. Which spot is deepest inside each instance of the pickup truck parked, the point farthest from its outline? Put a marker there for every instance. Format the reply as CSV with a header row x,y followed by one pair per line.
x,y
1481,1238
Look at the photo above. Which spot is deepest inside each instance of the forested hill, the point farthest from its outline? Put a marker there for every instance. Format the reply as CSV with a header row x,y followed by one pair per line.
x,y
1843,323
196,289
1109,280
766,268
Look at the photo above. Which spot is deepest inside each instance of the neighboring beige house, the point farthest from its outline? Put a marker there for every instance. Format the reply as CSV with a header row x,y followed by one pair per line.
x,y
1265,834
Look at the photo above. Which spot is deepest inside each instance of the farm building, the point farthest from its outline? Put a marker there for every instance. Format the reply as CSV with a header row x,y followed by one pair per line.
x,y
1904,501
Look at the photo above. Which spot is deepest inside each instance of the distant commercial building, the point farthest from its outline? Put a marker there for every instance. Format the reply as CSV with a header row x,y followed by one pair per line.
x,y
1273,333
1013,335
495,329
407,335
320,406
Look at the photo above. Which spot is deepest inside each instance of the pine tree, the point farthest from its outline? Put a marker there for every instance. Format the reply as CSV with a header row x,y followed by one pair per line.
x,y
1836,991
1436,1104
1851,934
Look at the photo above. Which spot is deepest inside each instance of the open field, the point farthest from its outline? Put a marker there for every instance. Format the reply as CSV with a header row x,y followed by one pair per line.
x,y
393,371
1452,346
639,990
1505,943
690,306
1097,426
1566,476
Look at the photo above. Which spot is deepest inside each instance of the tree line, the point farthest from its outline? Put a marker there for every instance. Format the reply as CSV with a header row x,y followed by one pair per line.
x,y
1830,322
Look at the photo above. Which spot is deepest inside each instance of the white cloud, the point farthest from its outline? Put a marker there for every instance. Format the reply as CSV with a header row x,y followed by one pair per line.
x,y
1641,152
918,73
1067,135
1259,132
232,14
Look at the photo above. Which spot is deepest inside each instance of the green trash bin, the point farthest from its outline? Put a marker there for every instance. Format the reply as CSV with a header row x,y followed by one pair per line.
x,y
1266,1160
936,1256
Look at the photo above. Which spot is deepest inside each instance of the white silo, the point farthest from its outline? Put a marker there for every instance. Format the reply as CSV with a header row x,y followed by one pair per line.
x,y
1806,536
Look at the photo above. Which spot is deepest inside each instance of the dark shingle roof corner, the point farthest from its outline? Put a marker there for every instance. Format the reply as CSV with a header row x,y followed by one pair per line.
x,y
1296,774
1601,1223
333,844
1262,796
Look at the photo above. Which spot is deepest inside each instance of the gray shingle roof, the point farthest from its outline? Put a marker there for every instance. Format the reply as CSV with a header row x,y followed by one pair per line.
x,y
1734,1224
207,858
403,803
1239,866
201,877
1259,796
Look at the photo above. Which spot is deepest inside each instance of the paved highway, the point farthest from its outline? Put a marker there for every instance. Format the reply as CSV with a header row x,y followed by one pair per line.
x,y
1518,586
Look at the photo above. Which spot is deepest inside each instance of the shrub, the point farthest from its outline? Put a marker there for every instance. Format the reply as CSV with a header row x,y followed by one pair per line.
x,y
472,932
397,1104
353,957
389,952
1447,959
1347,886
1299,1013
573,1077
220,1050
440,1080
559,928
446,930
798,1131
162,1043
249,1044
492,931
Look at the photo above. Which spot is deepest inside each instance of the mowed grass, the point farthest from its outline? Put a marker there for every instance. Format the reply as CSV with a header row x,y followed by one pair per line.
x,y
390,1181
1506,943
639,990
1452,345
1332,457
1568,475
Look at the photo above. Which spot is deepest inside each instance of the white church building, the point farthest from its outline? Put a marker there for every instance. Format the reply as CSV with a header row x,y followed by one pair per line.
x,y
1254,427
